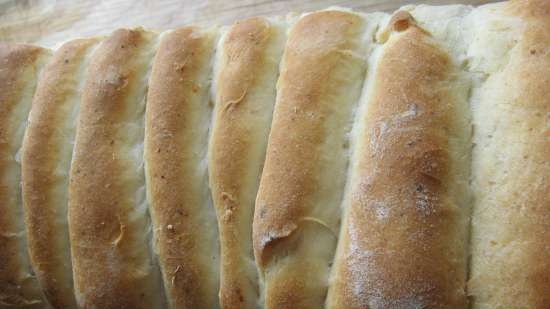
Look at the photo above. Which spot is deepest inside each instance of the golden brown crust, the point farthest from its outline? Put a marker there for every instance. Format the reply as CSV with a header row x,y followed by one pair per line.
x,y
532,77
46,137
18,73
107,224
176,130
241,123
530,10
403,244
295,200
287,178
511,262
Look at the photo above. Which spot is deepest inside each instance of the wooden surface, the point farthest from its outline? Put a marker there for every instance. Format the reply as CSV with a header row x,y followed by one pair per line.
x,y
51,22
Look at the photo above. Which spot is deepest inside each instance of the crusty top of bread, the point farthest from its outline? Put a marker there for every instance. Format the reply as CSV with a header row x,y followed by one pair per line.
x,y
404,238
107,216
530,10
314,47
405,235
19,67
297,207
177,126
511,256
245,94
45,169
243,46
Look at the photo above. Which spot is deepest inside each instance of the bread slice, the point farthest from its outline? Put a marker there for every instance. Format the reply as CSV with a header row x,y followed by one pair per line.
x,y
46,160
247,68
19,70
404,237
297,208
108,218
177,123
510,265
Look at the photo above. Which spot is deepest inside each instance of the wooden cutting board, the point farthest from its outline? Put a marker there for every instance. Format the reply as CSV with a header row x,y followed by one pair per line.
x,y
51,22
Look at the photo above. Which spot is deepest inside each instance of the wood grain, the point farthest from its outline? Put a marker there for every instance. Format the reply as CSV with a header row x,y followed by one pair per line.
x,y
51,22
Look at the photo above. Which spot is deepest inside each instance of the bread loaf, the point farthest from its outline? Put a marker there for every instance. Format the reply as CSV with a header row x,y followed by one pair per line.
x,y
108,219
244,91
19,70
332,159
177,122
510,263
404,237
46,160
297,208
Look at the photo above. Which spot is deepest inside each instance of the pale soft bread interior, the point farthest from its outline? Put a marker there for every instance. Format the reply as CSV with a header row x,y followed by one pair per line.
x,y
20,67
510,263
108,216
46,160
297,207
177,125
247,63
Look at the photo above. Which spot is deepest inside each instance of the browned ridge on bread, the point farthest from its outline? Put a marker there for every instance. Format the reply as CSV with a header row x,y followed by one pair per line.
x,y
19,69
244,93
297,207
177,120
46,160
108,221
333,159
403,243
